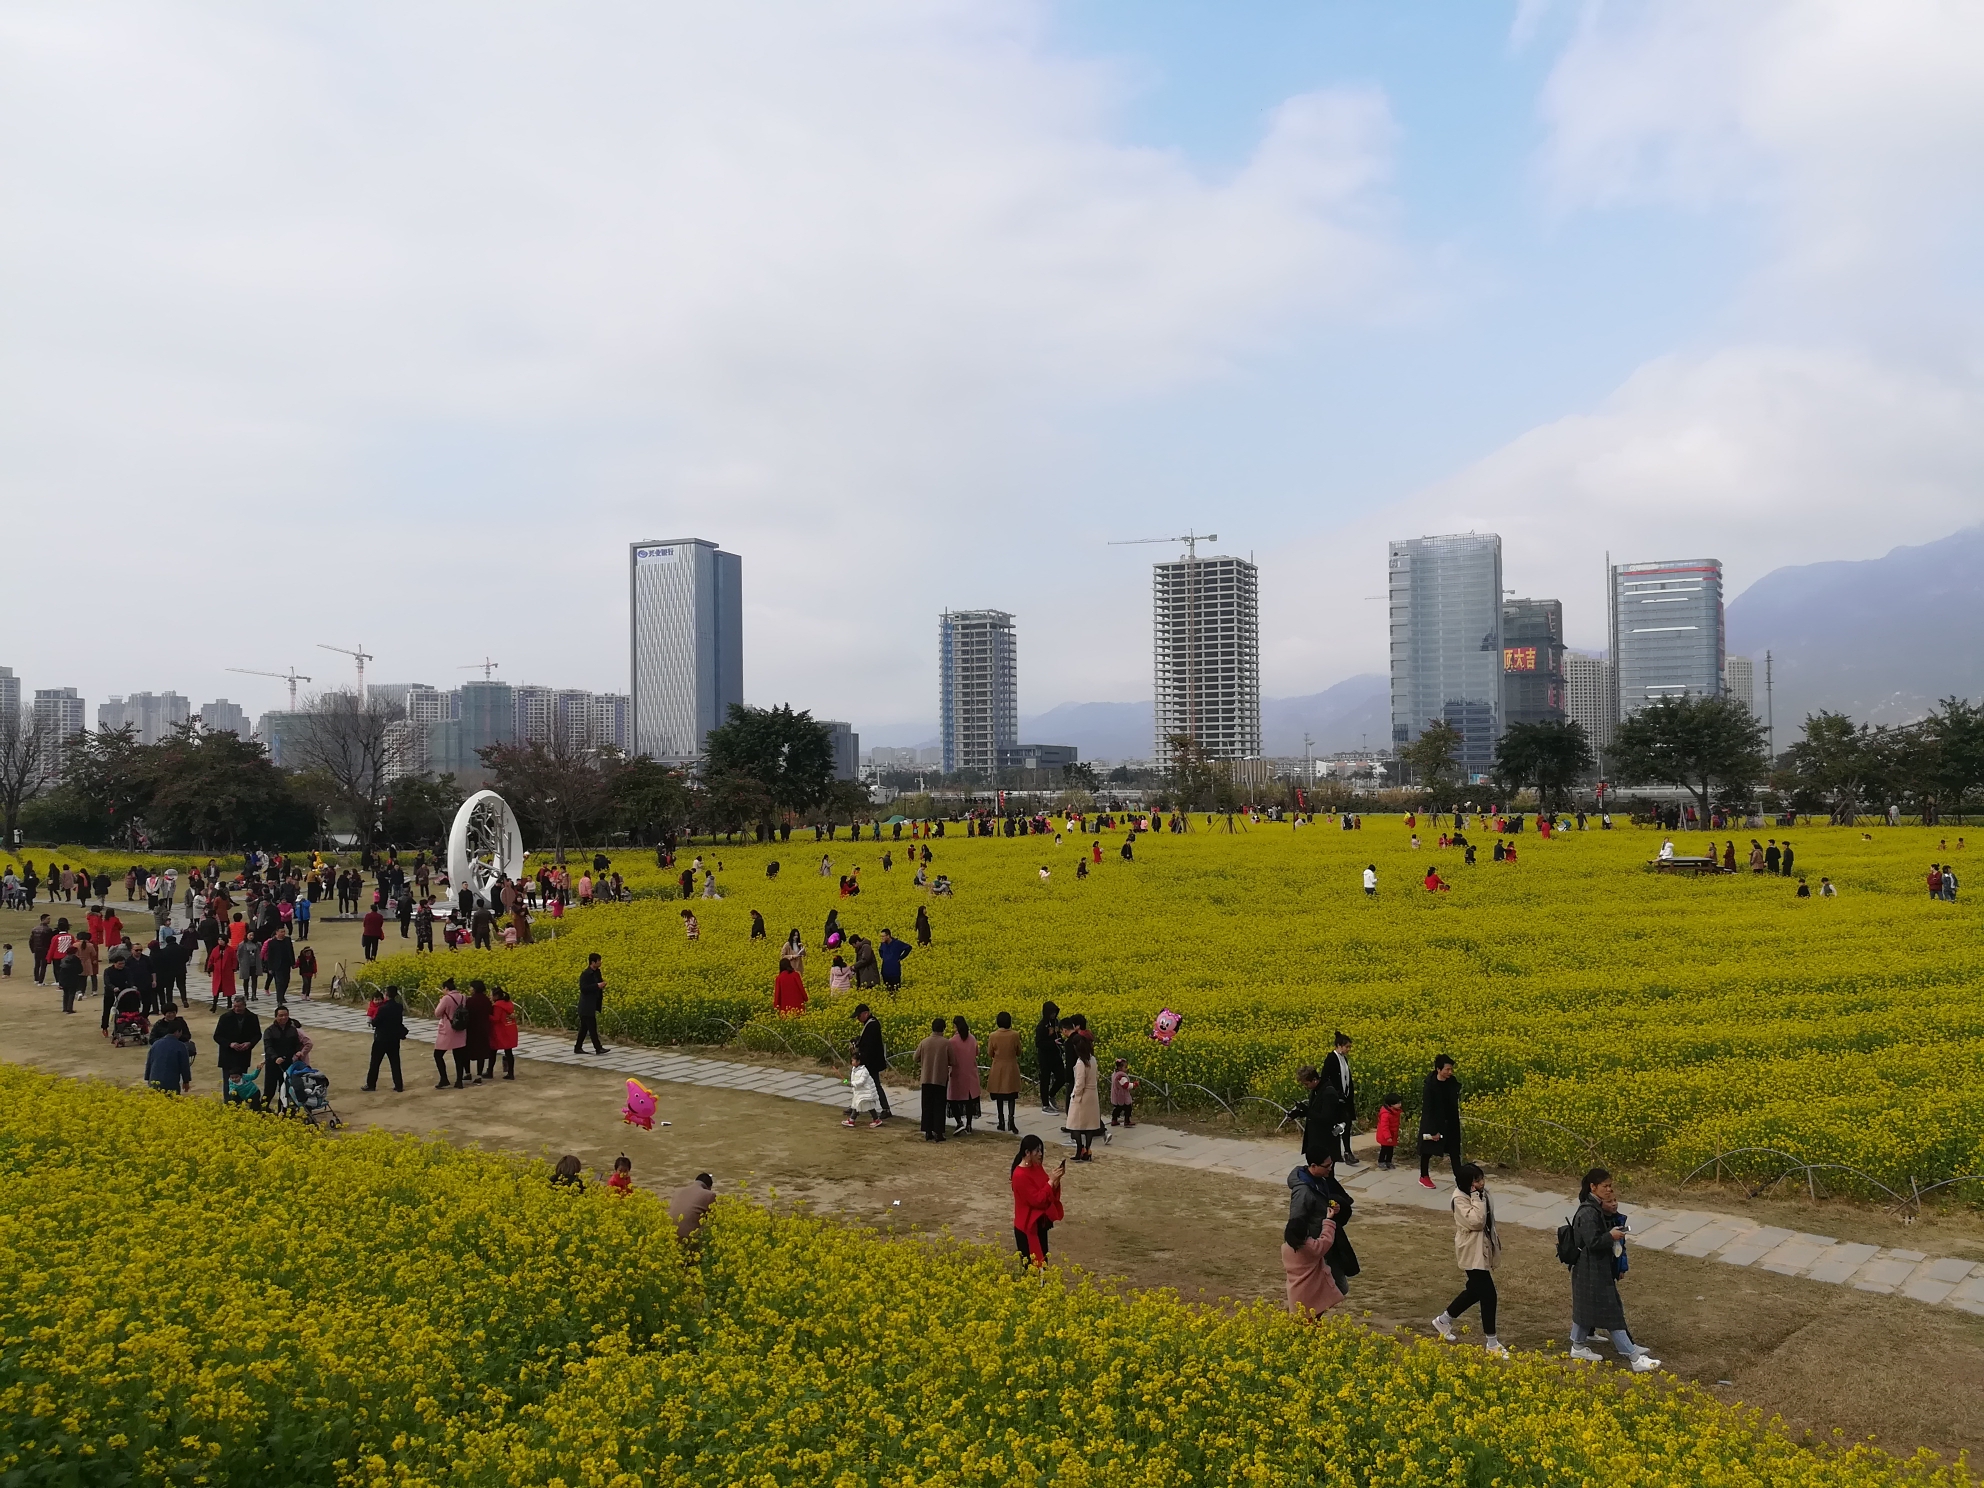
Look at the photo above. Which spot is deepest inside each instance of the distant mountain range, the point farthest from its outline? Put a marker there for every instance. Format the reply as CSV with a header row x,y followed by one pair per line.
x,y
1340,717
1881,639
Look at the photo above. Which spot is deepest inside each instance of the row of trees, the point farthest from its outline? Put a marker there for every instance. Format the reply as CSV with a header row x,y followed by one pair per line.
x,y
1717,751
344,772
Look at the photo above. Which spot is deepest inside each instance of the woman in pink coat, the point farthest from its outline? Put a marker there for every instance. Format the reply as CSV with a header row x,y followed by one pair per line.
x,y
450,1011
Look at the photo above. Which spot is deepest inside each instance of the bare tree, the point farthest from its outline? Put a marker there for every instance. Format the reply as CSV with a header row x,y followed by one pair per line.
x,y
350,746
26,762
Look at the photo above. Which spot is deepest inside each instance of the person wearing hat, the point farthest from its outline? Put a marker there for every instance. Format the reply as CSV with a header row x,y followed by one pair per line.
x,y
874,1058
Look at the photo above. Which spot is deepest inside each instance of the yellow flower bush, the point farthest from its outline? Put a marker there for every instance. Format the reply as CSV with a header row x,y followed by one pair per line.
x,y
1663,1019
197,1295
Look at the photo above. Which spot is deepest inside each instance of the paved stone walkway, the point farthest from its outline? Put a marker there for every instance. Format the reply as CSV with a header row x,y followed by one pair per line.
x,y
1725,1238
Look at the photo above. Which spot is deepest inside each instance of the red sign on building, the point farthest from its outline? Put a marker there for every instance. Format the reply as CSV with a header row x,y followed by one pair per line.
x,y
1518,658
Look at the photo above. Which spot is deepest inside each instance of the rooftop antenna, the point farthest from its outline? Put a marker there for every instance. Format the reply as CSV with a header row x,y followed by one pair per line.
x,y
361,656
1191,540
292,677
485,666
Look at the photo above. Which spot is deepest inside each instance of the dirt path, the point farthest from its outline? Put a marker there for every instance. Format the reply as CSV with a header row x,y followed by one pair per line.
x,y
1824,1357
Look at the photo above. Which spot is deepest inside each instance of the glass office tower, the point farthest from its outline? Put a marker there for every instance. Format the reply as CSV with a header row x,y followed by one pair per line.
x,y
1666,630
687,613
1446,638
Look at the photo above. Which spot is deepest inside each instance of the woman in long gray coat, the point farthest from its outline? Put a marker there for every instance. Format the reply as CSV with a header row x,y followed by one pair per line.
x,y
1598,1231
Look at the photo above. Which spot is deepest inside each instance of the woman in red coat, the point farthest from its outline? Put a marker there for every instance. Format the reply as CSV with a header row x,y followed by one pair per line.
x,y
1036,1198
502,1032
221,963
788,991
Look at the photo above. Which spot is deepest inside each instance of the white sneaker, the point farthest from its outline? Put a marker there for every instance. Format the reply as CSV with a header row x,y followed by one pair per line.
x,y
1645,1364
1495,1349
1584,1355
1444,1326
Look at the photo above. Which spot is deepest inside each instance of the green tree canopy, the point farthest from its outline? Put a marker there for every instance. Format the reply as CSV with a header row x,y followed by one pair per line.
x,y
1699,744
1430,759
787,754
1553,756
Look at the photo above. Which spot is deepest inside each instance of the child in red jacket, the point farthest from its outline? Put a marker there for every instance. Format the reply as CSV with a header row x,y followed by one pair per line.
x,y
1387,1131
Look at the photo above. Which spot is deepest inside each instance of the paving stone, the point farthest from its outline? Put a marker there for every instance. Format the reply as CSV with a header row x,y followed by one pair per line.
x,y
1884,1273
1753,1246
1909,1255
1712,1237
1950,1270
1792,1257
1840,1262
1969,1291
1925,1288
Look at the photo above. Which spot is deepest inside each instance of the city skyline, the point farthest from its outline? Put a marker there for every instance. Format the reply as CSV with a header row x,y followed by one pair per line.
x,y
1653,279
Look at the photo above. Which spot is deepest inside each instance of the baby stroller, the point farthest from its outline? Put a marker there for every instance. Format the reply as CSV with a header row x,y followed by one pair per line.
x,y
306,1092
128,1023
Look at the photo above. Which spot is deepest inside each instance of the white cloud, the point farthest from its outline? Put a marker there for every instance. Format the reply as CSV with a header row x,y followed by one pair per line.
x,y
1836,410
293,290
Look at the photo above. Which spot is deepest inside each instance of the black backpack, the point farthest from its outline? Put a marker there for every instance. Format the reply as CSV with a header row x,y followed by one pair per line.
x,y
1567,1243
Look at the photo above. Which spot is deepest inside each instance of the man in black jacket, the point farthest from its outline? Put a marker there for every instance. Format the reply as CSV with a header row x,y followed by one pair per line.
x,y
1338,1090
592,997
1318,1141
874,1058
278,961
1439,1118
237,1033
71,978
388,1029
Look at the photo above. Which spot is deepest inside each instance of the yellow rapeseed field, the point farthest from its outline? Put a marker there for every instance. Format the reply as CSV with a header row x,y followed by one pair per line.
x,y
1663,1019
198,1295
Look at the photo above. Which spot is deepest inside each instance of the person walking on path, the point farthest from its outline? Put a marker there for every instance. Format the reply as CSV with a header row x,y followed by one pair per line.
x,y
220,966
933,1058
169,1066
451,1035
283,1044
592,997
1036,1198
371,930
874,1058
1084,1098
1439,1118
39,940
278,961
388,1029
1477,1246
1003,1081
1315,1217
481,1054
1047,1056
962,1097
237,1033
1338,1089
502,1033
1598,1242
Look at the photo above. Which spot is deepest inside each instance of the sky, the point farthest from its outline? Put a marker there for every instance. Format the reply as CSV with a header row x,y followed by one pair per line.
x,y
353,323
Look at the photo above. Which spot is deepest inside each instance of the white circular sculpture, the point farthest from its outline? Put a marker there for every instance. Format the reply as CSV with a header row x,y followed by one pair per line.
x,y
484,845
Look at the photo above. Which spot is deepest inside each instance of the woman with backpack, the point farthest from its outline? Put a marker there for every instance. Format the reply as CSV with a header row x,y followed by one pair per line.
x,y
1477,1246
1593,1245
451,1035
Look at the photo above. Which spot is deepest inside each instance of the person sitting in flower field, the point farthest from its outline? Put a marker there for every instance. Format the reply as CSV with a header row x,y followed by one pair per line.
x,y
1436,884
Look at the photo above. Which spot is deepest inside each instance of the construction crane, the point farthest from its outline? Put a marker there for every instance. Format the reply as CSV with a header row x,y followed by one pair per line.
x,y
1191,540
292,677
361,656
485,666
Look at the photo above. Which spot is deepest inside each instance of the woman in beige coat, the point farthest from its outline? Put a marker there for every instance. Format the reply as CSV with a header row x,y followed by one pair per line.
x,y
1085,1100
1003,1083
1477,1247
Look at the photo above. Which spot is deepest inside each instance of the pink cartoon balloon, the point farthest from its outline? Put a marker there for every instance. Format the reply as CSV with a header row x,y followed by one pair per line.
x,y
640,1106
1166,1027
